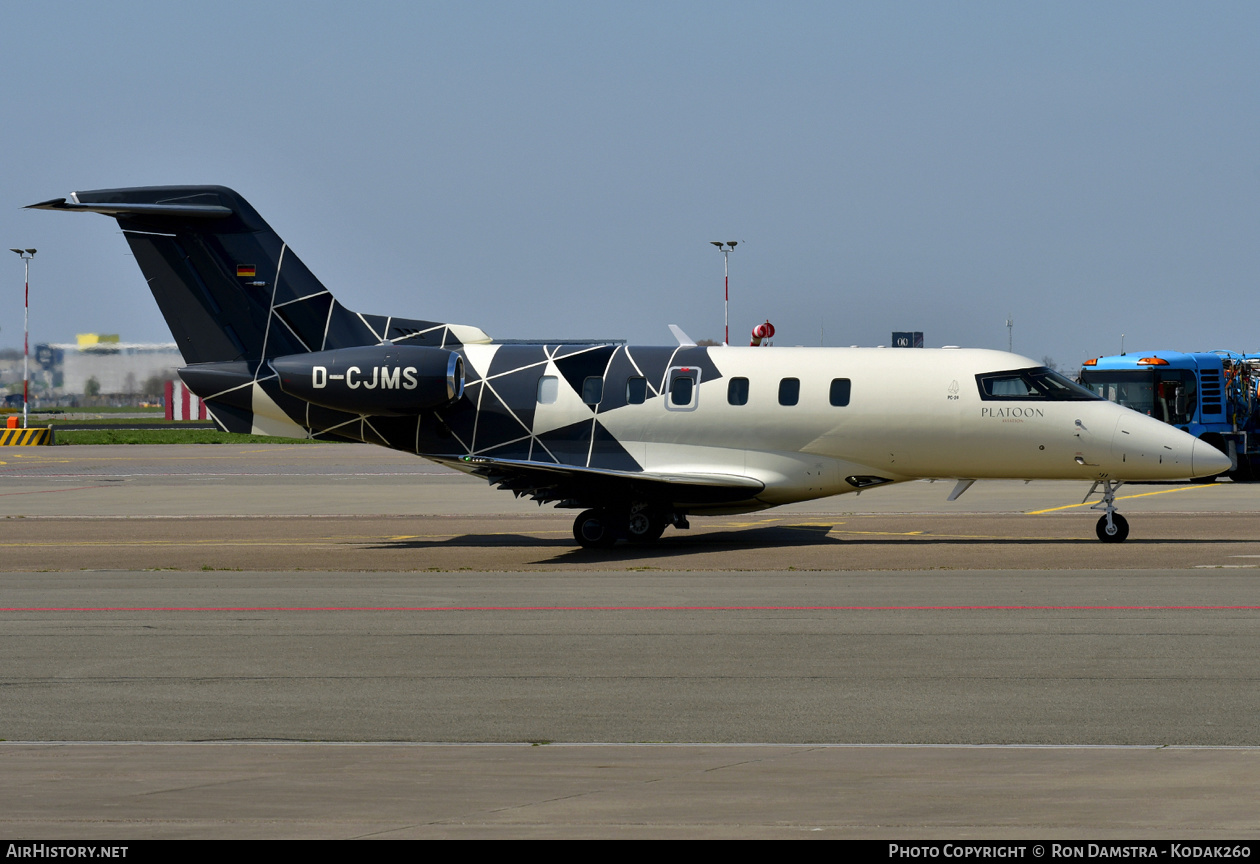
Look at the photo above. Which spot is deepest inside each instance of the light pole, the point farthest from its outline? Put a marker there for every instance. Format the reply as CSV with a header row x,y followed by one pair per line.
x,y
726,249
26,255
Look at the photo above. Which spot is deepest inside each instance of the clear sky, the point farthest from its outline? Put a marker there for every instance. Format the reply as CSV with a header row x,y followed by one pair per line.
x,y
558,169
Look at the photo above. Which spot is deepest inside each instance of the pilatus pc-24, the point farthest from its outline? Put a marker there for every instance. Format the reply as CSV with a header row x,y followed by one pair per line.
x,y
637,439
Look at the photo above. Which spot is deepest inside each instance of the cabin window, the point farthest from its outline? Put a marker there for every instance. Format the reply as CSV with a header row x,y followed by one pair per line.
x,y
789,391
737,391
840,391
636,391
593,390
548,389
682,388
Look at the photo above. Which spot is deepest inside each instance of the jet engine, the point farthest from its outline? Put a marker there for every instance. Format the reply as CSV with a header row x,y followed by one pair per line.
x,y
391,380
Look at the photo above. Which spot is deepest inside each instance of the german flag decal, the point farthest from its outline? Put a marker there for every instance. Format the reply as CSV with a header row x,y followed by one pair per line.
x,y
245,270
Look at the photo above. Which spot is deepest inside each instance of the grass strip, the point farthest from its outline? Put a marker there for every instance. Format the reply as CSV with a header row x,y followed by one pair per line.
x,y
167,436
112,421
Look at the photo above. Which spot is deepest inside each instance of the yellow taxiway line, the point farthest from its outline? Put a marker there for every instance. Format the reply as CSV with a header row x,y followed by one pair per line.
x,y
1124,498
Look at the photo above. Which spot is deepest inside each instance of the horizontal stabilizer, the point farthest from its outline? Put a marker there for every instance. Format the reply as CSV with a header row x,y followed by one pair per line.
x,y
203,211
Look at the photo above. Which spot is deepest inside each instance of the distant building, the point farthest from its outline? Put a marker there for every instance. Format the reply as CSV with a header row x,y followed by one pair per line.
x,y
120,368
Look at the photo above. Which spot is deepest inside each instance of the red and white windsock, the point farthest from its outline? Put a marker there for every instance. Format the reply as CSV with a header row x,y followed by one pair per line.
x,y
761,331
182,403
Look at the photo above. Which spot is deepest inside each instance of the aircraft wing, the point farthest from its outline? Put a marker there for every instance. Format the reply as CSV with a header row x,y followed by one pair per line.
x,y
576,486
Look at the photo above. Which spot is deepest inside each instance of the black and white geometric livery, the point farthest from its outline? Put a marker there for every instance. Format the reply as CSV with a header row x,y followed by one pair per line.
x,y
637,437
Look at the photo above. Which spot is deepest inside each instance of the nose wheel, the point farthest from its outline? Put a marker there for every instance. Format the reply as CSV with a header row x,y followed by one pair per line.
x,y
1111,527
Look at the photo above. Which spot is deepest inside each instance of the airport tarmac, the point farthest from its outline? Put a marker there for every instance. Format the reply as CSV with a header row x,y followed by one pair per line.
x,y
989,667
358,479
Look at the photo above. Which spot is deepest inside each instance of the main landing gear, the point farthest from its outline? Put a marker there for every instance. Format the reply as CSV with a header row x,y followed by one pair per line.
x,y
601,527
1111,527
593,530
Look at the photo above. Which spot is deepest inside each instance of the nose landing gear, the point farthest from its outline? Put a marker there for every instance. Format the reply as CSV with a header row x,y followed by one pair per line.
x,y
1111,527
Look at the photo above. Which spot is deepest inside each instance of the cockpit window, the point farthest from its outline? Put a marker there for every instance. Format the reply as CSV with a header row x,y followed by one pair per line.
x,y
1039,383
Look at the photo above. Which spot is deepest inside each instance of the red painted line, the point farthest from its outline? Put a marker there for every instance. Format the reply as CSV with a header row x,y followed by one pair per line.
x,y
629,608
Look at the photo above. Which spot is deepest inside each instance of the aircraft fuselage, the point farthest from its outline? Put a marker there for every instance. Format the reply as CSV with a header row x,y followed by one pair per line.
x,y
768,414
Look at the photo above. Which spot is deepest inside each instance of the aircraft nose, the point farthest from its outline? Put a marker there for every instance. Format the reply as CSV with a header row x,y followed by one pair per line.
x,y
1206,460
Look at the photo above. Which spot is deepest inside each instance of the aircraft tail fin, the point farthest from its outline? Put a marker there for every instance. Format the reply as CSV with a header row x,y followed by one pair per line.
x,y
230,288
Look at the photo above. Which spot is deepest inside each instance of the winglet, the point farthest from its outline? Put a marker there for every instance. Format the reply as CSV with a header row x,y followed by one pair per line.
x,y
684,341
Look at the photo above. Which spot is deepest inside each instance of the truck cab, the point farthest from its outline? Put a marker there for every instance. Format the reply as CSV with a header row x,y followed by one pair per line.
x,y
1210,395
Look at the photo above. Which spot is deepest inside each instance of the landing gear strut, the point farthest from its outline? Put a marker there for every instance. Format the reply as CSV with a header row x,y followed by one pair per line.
x,y
1112,527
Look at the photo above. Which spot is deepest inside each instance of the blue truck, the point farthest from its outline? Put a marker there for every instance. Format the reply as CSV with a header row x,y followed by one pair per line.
x,y
1210,395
